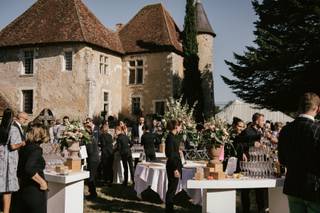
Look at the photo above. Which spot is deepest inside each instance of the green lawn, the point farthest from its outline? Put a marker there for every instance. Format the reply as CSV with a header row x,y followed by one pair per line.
x,y
118,198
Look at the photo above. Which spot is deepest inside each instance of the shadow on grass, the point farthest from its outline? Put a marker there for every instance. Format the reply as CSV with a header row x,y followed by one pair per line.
x,y
119,198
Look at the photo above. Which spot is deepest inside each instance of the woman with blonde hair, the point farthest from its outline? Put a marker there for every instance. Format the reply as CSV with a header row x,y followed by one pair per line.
x,y
33,186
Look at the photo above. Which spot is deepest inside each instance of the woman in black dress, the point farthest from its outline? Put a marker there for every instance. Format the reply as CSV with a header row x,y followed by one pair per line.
x,y
33,186
106,144
123,146
174,164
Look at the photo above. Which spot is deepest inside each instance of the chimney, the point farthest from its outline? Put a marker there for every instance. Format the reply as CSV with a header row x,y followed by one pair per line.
x,y
119,26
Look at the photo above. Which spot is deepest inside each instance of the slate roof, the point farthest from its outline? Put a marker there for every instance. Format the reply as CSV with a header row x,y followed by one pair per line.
x,y
202,22
52,21
151,29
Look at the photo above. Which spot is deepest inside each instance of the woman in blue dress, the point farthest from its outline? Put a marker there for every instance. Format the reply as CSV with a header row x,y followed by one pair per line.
x,y
8,162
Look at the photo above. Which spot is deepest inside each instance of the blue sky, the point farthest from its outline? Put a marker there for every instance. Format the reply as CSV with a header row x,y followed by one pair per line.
x,y
232,21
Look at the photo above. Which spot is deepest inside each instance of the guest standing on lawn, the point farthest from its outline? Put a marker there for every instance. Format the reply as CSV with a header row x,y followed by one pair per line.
x,y
8,162
250,137
123,146
106,144
299,151
148,141
33,186
93,156
174,164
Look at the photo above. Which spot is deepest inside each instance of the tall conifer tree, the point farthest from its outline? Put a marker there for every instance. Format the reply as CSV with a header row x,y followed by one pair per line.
x,y
286,58
191,85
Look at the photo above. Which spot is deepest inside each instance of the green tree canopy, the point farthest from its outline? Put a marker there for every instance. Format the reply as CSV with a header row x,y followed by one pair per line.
x,y
285,61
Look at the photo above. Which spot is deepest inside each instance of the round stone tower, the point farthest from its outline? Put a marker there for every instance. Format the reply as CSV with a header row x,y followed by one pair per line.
x,y
205,37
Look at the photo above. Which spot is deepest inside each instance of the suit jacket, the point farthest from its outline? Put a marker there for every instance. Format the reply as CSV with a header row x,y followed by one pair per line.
x,y
299,151
105,141
16,134
172,153
148,141
247,138
123,145
93,147
135,131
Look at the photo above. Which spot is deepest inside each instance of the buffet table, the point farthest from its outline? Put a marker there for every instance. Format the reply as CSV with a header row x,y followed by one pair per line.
x,y
65,192
220,195
154,175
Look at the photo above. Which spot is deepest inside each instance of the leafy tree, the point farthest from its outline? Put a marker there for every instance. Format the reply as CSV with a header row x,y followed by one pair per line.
x,y
191,85
286,58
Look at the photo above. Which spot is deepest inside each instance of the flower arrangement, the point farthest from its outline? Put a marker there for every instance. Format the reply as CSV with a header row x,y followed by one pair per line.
x,y
75,131
215,133
181,112
176,110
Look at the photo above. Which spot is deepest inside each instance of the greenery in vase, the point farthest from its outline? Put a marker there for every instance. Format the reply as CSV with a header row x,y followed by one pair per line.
x,y
215,133
75,131
176,110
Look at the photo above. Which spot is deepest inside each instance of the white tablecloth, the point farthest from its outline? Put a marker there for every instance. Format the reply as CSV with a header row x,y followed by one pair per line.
x,y
155,175
158,155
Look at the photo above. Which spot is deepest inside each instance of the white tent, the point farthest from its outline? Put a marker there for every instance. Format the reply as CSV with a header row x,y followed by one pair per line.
x,y
245,111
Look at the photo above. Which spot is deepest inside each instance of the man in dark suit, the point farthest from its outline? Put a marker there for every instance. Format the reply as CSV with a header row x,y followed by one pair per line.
x,y
174,164
251,136
93,156
137,130
299,151
148,141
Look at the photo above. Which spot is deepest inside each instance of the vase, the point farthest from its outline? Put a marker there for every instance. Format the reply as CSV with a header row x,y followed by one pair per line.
x,y
214,154
73,150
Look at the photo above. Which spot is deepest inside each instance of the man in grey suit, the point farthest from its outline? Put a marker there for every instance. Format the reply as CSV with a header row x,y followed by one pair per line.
x,y
16,134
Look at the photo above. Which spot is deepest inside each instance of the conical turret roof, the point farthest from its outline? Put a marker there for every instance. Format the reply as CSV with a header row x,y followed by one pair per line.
x,y
202,22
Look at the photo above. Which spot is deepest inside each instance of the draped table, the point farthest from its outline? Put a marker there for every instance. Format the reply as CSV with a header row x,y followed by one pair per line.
x,y
220,195
118,171
154,175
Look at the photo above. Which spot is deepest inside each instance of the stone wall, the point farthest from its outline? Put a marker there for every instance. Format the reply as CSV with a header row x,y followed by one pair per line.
x,y
157,80
64,92
80,93
205,53
109,80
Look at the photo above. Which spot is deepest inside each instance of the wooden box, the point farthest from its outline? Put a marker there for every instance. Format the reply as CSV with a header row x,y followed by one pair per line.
x,y
60,168
74,165
198,176
217,166
208,171
218,175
